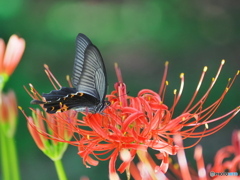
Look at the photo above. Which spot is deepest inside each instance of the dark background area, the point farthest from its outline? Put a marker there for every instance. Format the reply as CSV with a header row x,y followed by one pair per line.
x,y
140,36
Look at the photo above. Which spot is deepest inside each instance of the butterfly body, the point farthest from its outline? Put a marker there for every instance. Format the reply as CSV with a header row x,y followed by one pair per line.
x,y
89,81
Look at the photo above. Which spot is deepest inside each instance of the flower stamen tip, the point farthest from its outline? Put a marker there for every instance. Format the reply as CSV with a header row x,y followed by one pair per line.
x,y
205,68
32,88
223,62
45,66
175,91
206,126
176,166
67,77
181,75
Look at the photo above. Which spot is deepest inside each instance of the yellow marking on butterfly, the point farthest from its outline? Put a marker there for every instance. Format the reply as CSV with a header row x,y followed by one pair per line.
x,y
63,107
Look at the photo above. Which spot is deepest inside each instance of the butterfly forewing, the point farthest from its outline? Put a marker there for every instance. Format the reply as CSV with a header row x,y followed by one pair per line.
x,y
82,43
89,74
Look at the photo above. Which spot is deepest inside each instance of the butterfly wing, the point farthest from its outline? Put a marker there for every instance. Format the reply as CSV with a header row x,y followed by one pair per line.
x,y
71,101
89,81
55,95
89,73
66,98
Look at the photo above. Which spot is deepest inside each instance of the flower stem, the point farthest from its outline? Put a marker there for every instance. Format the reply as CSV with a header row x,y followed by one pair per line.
x,y
60,170
8,155
13,159
4,156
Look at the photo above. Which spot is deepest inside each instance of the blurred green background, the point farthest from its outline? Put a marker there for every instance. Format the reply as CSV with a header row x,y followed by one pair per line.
x,y
140,36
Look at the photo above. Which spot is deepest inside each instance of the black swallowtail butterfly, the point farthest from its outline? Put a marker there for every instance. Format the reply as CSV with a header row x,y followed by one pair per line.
x,y
89,80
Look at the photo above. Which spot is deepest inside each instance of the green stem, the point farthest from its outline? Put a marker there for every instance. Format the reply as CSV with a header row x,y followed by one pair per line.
x,y
4,155
9,156
60,170
13,159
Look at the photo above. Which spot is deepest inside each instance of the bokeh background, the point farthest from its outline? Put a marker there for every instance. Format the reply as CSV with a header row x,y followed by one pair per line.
x,y
140,36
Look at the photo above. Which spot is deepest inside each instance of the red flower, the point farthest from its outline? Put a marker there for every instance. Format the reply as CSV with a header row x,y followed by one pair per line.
x,y
42,127
11,55
56,127
144,122
8,112
223,160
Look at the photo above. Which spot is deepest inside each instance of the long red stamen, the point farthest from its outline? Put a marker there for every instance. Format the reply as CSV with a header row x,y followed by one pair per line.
x,y
51,77
200,163
162,86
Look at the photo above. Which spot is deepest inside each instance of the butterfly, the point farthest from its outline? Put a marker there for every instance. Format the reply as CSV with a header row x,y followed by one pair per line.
x,y
89,82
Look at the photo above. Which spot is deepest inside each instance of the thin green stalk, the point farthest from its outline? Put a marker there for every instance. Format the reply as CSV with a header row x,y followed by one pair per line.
x,y
13,159
60,170
4,156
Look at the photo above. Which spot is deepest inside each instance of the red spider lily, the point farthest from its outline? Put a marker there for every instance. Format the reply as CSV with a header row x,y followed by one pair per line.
x,y
182,170
144,122
145,168
52,124
128,124
11,55
43,126
8,112
222,162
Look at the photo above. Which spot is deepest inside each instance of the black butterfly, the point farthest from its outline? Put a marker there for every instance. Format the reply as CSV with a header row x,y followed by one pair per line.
x,y
89,80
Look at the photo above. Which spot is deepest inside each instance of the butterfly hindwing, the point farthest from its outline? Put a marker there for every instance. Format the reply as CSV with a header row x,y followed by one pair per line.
x,y
70,101
57,94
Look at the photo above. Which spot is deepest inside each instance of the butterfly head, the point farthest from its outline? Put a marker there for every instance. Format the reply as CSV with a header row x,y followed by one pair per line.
x,y
101,106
